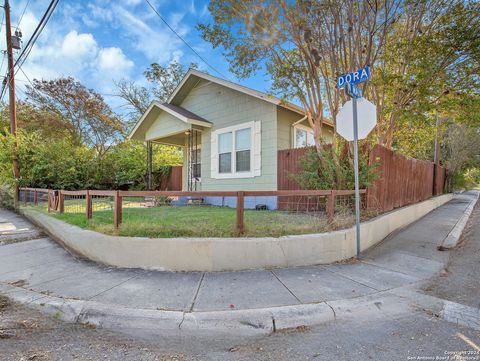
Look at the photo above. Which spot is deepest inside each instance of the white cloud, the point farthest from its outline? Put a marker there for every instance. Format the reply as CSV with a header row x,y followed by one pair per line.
x,y
192,7
97,41
157,44
78,55
132,2
204,11
176,23
113,61
28,25
77,45
104,14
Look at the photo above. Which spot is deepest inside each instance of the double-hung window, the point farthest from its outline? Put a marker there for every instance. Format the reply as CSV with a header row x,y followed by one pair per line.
x,y
243,145
236,151
225,142
303,137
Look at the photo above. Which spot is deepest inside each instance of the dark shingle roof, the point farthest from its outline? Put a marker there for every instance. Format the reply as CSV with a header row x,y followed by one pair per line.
x,y
184,112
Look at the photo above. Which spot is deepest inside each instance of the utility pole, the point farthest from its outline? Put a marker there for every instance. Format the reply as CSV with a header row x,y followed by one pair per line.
x,y
13,106
436,155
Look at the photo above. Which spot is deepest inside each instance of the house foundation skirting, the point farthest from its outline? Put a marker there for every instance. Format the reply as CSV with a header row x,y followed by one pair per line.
x,y
271,202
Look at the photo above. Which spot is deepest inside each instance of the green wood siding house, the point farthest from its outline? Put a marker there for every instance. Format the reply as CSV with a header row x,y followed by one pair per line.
x,y
230,134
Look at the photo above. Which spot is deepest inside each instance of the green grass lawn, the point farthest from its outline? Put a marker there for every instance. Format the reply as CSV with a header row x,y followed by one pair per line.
x,y
196,221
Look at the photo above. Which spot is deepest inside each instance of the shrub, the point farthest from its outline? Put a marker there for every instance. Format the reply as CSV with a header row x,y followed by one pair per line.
x,y
333,169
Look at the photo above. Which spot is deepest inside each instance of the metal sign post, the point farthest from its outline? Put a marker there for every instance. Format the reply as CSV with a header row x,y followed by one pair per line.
x,y
345,127
355,161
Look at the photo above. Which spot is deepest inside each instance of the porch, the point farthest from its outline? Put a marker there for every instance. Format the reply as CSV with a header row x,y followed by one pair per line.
x,y
173,125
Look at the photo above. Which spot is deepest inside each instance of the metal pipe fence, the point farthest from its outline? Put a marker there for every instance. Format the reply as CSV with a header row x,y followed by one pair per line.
x,y
228,213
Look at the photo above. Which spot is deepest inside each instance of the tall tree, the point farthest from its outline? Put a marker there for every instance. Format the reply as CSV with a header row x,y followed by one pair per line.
x,y
137,98
87,118
166,78
461,148
304,45
47,123
430,54
163,81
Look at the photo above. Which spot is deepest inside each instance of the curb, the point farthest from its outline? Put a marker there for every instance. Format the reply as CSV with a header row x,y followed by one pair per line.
x,y
454,236
248,322
448,310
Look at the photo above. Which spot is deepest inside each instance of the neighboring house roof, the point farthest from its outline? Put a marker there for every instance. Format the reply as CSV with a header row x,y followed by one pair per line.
x,y
177,111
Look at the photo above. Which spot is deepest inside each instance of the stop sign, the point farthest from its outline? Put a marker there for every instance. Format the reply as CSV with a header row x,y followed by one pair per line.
x,y
366,119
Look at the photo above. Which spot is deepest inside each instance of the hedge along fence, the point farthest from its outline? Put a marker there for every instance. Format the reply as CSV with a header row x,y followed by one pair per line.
x,y
85,201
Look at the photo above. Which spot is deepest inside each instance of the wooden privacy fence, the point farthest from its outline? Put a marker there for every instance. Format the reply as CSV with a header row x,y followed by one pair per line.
x,y
56,199
401,180
172,181
288,162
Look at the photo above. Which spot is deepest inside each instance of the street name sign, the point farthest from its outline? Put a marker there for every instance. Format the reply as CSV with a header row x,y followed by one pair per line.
x,y
356,77
353,90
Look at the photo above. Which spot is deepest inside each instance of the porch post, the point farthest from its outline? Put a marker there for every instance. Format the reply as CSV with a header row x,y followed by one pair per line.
x,y
149,165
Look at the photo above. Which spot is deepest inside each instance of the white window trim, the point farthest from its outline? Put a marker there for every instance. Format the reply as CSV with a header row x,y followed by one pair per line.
x,y
303,127
254,152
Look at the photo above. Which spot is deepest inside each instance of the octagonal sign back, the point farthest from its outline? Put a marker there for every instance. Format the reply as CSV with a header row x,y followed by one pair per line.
x,y
366,117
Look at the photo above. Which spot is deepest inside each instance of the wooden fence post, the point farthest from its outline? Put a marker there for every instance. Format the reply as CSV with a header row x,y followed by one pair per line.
x,y
61,202
35,197
25,197
330,206
117,210
49,201
240,209
88,210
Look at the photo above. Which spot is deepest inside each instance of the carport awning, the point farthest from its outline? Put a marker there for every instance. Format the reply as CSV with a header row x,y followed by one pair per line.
x,y
166,121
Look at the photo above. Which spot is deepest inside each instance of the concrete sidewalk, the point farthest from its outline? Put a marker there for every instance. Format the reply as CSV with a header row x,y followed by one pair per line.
x,y
15,228
42,273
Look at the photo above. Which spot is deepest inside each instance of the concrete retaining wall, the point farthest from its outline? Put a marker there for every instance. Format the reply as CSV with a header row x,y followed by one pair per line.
x,y
224,254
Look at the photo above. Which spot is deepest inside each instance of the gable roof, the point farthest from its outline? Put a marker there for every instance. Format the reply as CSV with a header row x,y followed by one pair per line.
x,y
180,113
193,76
189,81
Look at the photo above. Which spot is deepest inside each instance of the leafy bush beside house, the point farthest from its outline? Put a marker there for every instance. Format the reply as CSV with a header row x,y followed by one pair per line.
x,y
333,169
63,164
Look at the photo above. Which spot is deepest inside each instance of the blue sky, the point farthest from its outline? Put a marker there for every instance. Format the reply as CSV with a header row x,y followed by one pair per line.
x,y
100,41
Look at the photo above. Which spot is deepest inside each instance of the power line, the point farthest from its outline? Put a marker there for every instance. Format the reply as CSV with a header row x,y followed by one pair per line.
x,y
43,22
16,80
28,47
23,13
26,76
182,39
3,61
